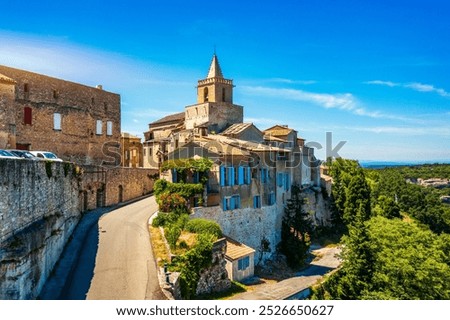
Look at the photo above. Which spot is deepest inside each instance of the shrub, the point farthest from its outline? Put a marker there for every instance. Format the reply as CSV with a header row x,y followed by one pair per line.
x,y
164,219
203,226
172,203
173,232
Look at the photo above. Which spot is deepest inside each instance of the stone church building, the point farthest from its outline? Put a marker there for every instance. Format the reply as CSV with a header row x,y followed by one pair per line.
x,y
253,171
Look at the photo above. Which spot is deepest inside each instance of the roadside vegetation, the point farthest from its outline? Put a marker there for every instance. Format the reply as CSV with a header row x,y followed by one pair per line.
x,y
396,242
190,241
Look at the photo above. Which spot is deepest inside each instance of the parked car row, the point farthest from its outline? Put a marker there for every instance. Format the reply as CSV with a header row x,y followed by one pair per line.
x,y
29,155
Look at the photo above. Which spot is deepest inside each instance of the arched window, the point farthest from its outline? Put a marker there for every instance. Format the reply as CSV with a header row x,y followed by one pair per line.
x,y
223,94
205,94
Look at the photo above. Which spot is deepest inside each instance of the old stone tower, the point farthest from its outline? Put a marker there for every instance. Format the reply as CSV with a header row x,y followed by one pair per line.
x,y
214,109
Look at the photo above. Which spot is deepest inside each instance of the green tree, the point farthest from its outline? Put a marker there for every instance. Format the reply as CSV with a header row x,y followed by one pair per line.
x,y
357,203
387,207
295,230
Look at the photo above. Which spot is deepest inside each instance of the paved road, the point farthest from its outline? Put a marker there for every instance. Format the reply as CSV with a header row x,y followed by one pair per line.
x,y
124,267
327,261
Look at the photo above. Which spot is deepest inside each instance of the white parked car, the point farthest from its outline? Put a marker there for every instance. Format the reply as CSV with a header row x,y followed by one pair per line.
x,y
46,155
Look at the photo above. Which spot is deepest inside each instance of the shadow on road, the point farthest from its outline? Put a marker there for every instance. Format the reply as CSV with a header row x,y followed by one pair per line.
x,y
79,280
73,273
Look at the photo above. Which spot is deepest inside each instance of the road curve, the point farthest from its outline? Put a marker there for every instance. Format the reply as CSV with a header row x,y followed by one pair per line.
x,y
124,267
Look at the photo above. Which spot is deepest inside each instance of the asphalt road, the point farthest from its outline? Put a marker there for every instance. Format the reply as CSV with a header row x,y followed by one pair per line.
x,y
124,266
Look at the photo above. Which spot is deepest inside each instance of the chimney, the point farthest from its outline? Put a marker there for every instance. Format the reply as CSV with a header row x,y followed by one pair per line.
x,y
99,87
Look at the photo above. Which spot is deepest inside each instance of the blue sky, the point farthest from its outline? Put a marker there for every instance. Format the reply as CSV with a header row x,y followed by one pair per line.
x,y
374,74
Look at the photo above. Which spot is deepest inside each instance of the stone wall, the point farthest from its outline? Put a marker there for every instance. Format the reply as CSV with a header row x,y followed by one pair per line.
x,y
103,186
249,226
40,205
215,278
39,208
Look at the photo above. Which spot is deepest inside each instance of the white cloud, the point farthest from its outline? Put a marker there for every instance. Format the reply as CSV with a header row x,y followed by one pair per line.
x,y
289,81
427,88
408,131
342,101
416,86
383,83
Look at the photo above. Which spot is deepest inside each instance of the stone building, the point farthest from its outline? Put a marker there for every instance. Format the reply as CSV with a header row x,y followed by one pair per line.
x,y
132,150
252,172
77,122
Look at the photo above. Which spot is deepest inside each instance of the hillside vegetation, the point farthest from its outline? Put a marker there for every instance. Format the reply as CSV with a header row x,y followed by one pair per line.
x,y
397,234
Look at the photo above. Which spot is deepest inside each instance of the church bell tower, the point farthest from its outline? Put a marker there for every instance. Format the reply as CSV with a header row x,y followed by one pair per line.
x,y
215,88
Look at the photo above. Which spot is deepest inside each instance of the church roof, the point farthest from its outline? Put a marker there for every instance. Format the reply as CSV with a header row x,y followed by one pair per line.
x,y
214,68
172,117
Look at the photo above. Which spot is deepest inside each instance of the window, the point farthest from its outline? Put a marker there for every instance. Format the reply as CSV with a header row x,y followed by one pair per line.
x,y
27,115
235,202
240,177
92,100
150,151
227,176
264,175
243,263
231,203
271,199
205,95
223,94
248,175
109,128
256,202
174,175
99,127
57,121
280,179
145,152
196,177
226,203
55,94
26,90
287,181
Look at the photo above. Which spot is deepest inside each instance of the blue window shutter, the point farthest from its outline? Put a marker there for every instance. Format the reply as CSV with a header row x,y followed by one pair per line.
x,y
254,202
232,175
222,176
174,175
249,175
288,181
263,175
240,175
238,202
224,204
232,203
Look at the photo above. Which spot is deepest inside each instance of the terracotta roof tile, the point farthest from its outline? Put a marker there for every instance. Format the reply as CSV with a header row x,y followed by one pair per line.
x,y
172,117
236,249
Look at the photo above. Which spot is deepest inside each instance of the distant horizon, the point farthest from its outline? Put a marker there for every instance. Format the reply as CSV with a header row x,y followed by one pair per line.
x,y
374,74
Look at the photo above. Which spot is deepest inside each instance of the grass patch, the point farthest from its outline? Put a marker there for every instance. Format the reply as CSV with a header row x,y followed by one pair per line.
x,y
236,287
158,246
186,241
